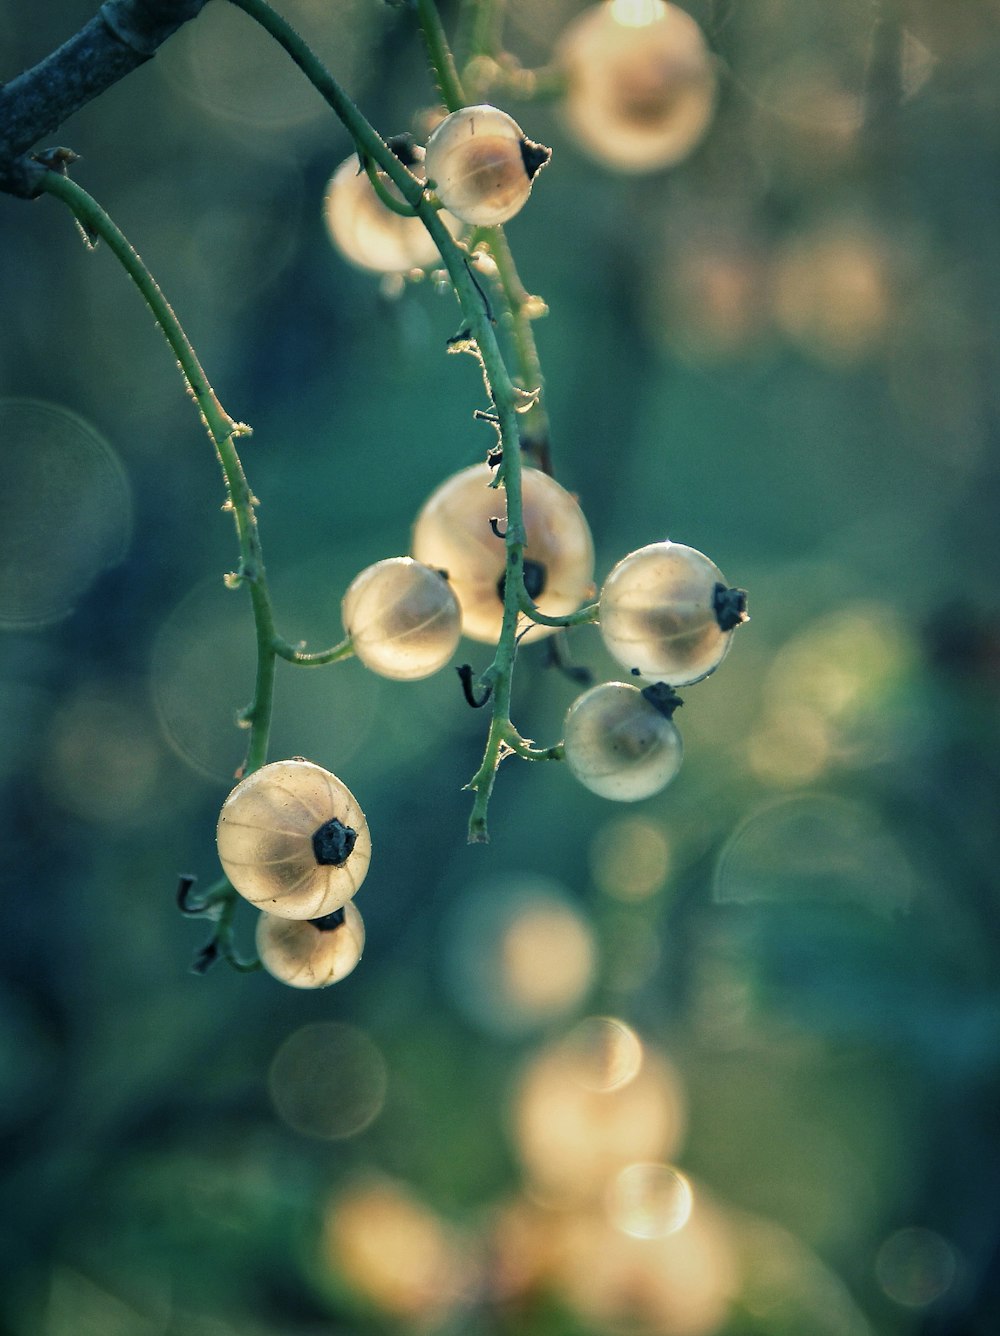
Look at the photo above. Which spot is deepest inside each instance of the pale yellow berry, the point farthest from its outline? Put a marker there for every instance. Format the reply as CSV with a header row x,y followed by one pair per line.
x,y
667,615
370,234
307,954
293,840
453,533
481,165
640,83
403,619
619,744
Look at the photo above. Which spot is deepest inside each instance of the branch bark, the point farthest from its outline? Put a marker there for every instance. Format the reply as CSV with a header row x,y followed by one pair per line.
x,y
123,35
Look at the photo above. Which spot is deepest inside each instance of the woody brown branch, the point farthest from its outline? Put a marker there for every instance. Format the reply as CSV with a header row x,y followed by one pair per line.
x,y
123,35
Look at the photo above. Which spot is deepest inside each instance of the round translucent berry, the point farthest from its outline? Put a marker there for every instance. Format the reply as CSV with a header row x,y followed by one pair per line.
x,y
311,954
293,840
453,533
620,745
481,165
370,234
403,618
640,83
667,615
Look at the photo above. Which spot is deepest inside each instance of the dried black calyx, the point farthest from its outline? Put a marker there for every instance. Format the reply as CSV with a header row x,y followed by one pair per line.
x,y
662,698
405,149
534,580
327,922
534,156
333,843
729,606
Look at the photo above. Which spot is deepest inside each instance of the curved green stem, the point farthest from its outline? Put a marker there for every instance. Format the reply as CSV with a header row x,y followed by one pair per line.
x,y
295,654
223,432
385,194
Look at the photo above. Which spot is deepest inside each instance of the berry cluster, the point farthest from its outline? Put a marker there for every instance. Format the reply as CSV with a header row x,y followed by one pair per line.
x,y
500,551
292,838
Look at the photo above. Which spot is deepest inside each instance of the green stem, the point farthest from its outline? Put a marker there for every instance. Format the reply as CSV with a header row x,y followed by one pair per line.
x,y
294,654
519,303
441,58
385,194
223,432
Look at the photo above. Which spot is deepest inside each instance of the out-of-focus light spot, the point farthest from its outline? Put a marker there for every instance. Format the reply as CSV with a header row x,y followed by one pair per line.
x,y
636,13
328,1080
916,1266
396,1252
828,697
790,747
917,63
65,511
679,1284
603,1053
572,1139
649,1201
832,291
814,847
709,301
629,858
104,760
518,954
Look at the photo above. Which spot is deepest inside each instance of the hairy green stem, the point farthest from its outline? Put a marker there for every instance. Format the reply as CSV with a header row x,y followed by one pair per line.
x,y
222,431
439,52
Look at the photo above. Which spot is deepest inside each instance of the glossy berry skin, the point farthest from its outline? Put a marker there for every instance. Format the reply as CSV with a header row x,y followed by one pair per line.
x,y
306,955
640,83
481,165
369,234
453,533
619,745
293,840
658,614
403,619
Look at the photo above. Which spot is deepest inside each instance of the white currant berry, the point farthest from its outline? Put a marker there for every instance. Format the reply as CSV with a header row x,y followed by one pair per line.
x,y
311,953
453,533
620,741
481,165
403,618
640,83
370,234
293,840
667,614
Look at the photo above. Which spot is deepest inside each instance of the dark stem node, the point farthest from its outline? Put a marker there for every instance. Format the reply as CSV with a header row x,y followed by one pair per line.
x,y
333,843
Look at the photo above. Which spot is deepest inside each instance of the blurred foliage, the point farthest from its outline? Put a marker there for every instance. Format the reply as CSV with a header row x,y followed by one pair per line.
x,y
784,352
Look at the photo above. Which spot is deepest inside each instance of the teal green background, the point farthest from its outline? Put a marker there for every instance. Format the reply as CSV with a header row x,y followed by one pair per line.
x,y
783,352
